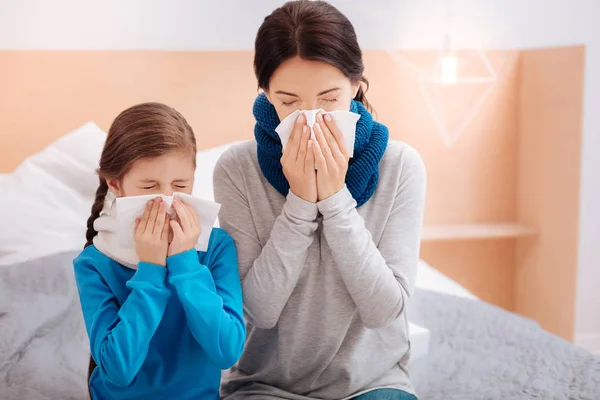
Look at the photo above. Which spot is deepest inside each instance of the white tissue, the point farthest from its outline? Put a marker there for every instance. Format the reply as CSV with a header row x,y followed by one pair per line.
x,y
345,120
130,208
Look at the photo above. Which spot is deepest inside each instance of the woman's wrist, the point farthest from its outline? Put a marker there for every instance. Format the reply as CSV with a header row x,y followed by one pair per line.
x,y
335,204
300,208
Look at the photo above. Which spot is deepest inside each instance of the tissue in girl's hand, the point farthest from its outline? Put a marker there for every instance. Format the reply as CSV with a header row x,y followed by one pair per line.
x,y
130,208
345,120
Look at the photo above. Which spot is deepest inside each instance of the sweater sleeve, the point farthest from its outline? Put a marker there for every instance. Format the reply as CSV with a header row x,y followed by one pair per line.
x,y
120,335
379,277
269,274
212,301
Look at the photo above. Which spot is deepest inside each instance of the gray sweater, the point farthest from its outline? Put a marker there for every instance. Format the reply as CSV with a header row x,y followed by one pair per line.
x,y
325,285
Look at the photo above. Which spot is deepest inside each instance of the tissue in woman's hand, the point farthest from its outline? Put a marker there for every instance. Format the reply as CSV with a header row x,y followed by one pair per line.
x,y
130,208
345,120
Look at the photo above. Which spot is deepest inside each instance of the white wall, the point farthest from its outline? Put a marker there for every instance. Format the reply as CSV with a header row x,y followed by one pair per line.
x,y
231,25
159,24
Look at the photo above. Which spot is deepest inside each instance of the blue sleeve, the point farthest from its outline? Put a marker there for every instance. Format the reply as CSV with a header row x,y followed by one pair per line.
x,y
120,336
212,301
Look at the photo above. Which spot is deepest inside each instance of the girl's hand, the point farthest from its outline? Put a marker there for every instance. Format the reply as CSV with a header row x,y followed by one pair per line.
x,y
185,232
298,162
331,157
152,233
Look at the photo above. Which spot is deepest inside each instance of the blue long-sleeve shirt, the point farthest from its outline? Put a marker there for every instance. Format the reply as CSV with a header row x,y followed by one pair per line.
x,y
162,333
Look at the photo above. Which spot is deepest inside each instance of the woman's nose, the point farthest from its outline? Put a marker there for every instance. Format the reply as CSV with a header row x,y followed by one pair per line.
x,y
310,104
167,192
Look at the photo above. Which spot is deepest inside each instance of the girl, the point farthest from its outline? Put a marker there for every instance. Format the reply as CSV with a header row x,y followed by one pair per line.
x,y
328,246
164,323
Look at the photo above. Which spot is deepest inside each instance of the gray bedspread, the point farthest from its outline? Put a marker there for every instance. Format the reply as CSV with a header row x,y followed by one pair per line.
x,y
477,351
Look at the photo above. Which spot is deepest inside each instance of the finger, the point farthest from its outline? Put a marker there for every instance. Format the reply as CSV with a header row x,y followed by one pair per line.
x,y
160,219
323,144
293,144
309,161
297,129
293,147
331,140
337,134
194,217
177,231
182,213
320,161
144,220
165,229
153,214
303,145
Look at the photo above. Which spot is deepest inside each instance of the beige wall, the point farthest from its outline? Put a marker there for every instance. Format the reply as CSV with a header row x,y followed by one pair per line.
x,y
46,94
474,181
549,157
502,168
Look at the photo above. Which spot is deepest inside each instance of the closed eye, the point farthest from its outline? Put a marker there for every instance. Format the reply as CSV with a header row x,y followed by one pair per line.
x,y
330,100
180,186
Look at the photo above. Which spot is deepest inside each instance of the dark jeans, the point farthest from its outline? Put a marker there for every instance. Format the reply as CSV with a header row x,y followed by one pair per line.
x,y
386,394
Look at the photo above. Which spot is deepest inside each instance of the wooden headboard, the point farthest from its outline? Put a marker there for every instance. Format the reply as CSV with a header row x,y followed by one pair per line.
x,y
48,93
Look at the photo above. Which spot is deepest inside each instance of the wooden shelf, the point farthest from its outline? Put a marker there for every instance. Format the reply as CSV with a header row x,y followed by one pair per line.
x,y
475,231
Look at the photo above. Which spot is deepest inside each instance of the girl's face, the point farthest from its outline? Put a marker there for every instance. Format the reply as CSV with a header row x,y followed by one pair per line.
x,y
299,84
172,172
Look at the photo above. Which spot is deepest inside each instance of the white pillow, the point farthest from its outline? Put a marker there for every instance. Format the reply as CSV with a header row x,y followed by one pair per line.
x,y
206,161
45,202
3,178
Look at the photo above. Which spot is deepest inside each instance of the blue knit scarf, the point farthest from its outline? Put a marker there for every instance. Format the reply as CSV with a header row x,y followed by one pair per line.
x,y
363,169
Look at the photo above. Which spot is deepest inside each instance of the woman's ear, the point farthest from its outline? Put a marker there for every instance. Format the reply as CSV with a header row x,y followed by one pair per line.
x,y
355,89
114,186
268,96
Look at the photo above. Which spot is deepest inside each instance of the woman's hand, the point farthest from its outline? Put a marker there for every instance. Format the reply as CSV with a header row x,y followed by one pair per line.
x,y
298,162
152,233
331,157
185,232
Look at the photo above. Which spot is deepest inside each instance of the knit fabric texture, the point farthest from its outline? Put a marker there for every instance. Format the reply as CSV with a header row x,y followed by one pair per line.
x,y
363,169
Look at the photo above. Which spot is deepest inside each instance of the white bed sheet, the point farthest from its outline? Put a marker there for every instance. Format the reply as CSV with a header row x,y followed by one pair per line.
x,y
429,278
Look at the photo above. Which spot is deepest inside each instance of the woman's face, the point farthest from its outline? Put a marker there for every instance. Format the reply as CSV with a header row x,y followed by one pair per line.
x,y
307,85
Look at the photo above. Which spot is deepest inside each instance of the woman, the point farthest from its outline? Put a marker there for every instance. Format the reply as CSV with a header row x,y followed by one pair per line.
x,y
327,245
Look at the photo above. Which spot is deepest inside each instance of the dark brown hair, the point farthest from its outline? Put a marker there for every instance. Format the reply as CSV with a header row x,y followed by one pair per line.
x,y
143,131
312,30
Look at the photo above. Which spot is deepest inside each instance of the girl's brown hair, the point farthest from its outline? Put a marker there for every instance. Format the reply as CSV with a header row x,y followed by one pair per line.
x,y
313,30
146,130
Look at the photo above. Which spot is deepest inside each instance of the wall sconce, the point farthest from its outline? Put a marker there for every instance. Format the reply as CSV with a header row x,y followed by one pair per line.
x,y
446,72
447,66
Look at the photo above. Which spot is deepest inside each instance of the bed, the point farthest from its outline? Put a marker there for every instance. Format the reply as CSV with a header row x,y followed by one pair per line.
x,y
474,350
